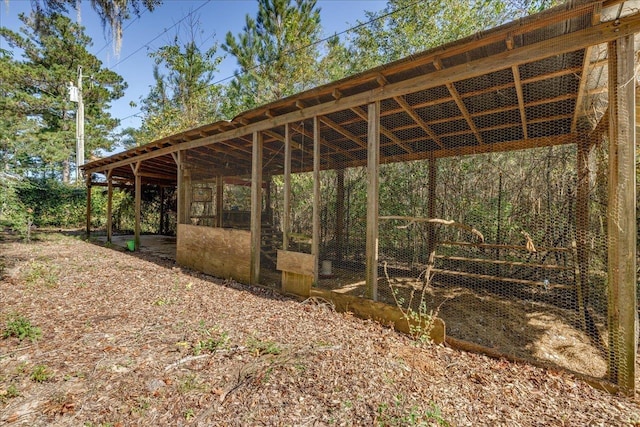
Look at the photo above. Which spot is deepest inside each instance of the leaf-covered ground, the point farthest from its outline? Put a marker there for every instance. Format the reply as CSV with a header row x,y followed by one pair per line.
x,y
135,340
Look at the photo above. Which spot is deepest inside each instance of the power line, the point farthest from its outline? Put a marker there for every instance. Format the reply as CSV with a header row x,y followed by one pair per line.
x,y
348,30
123,30
161,34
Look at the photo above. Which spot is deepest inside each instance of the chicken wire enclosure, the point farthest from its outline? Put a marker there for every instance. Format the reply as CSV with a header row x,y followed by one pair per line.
x,y
491,179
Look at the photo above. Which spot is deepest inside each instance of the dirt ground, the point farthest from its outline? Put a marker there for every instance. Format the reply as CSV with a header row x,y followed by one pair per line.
x,y
132,339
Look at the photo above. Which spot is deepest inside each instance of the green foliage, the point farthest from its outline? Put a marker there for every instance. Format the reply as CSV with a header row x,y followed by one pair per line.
x,y
397,414
40,273
260,347
183,96
41,373
10,393
20,327
276,53
37,120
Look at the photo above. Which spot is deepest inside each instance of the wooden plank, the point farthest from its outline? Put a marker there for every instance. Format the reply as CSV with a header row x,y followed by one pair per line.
x,y
256,207
621,215
505,262
373,161
187,195
584,78
431,206
296,262
386,132
437,63
336,127
582,227
286,220
380,312
219,200
297,284
494,246
109,208
138,210
88,212
179,159
416,118
221,252
315,236
544,285
581,39
340,195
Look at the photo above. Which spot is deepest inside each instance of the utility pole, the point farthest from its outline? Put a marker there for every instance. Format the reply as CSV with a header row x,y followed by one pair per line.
x,y
75,95
79,128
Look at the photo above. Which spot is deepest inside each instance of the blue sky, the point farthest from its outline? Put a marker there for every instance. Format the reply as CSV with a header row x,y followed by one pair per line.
x,y
154,29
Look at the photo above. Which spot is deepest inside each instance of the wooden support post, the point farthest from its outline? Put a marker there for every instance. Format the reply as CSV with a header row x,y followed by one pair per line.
x,y
256,207
621,215
178,158
431,207
582,230
219,200
339,214
109,206
315,240
161,226
286,220
138,205
373,161
267,199
88,206
187,194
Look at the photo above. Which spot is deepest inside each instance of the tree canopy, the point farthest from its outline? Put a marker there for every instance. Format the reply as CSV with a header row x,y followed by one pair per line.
x,y
37,121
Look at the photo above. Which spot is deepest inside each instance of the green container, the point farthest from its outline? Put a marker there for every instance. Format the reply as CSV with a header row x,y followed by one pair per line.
x,y
131,245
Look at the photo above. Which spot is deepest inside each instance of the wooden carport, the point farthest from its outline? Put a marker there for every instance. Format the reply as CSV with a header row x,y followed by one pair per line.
x,y
565,76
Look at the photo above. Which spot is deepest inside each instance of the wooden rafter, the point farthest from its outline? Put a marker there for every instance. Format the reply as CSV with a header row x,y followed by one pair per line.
x,y
350,135
515,70
437,63
416,118
383,130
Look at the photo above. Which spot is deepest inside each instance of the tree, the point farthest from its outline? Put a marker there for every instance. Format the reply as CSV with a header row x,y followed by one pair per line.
x,y
276,52
35,93
112,13
183,95
405,27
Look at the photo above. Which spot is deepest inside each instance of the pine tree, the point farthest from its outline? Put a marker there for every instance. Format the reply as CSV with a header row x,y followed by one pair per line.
x,y
36,94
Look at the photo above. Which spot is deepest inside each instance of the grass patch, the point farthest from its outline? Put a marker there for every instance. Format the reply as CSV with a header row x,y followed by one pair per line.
x,y
20,327
41,373
39,273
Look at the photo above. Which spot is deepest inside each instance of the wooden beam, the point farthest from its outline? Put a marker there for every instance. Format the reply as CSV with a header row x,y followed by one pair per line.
x,y
431,206
315,236
138,209
256,207
581,39
219,200
584,77
621,215
179,158
88,213
373,160
582,229
416,118
515,70
350,135
386,132
460,103
110,206
286,220
340,195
